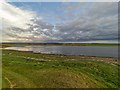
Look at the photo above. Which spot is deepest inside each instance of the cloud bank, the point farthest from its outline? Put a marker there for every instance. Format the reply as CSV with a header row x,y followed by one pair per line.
x,y
82,22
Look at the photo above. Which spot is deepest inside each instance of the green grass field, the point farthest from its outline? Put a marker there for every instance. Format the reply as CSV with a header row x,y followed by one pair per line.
x,y
28,70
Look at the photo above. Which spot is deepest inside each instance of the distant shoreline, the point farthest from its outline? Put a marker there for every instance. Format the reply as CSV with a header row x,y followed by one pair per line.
x,y
58,44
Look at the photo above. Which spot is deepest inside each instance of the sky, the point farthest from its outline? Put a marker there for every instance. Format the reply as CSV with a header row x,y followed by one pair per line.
x,y
59,22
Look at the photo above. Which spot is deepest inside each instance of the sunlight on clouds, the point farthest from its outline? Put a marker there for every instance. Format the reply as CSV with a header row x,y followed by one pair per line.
x,y
15,17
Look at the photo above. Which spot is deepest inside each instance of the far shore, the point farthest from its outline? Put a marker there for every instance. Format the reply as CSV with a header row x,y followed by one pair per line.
x,y
58,44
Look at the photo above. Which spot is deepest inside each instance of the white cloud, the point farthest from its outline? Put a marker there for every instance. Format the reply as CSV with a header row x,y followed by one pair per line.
x,y
13,17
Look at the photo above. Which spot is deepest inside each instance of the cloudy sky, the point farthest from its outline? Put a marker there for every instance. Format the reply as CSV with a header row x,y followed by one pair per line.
x,y
59,21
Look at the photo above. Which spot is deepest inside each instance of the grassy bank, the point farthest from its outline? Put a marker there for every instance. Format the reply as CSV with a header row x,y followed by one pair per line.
x,y
28,70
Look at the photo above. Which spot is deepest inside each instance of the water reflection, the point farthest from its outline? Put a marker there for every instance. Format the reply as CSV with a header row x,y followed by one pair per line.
x,y
20,48
104,51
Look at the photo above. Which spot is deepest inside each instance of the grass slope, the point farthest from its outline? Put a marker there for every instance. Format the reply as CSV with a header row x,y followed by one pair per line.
x,y
28,70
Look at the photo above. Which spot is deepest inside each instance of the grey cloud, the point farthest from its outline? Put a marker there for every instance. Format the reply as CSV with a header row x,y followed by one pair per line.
x,y
101,22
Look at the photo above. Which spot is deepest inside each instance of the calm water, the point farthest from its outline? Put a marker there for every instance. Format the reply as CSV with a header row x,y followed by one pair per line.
x,y
104,51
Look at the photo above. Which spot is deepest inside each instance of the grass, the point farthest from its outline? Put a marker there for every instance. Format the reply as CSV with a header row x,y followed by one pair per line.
x,y
28,70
